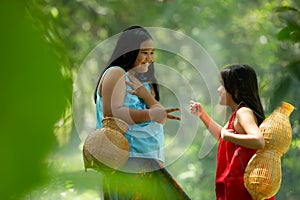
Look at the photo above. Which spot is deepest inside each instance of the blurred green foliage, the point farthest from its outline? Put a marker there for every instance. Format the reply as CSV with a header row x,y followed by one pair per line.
x,y
32,99
290,38
38,73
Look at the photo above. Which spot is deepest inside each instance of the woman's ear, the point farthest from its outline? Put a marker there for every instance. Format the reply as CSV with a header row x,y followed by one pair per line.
x,y
236,94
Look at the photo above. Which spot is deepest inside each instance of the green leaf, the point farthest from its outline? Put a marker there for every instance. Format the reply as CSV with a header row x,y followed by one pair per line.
x,y
284,34
295,36
285,9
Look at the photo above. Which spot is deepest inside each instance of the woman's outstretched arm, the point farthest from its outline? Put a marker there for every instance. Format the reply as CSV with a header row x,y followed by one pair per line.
x,y
213,127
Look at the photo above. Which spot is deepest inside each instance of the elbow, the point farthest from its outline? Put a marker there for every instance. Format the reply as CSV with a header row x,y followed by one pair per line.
x,y
261,143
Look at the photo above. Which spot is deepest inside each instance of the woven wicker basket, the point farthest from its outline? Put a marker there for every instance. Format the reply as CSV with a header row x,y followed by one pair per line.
x,y
107,148
262,176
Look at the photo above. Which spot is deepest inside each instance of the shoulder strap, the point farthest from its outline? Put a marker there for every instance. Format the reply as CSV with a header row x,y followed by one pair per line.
x,y
232,117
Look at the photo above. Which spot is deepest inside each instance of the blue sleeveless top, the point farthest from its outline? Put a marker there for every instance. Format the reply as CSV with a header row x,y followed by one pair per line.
x,y
146,139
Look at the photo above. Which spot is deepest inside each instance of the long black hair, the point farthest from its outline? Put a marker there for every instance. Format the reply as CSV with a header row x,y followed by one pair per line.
x,y
125,54
241,82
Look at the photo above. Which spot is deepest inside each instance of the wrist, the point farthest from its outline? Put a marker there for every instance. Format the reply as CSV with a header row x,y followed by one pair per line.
x,y
155,105
202,115
149,114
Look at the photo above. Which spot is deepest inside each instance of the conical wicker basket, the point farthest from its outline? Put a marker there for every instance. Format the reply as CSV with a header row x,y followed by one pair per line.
x,y
107,148
262,176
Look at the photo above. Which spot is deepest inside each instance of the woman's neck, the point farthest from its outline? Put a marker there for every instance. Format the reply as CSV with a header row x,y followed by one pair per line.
x,y
233,106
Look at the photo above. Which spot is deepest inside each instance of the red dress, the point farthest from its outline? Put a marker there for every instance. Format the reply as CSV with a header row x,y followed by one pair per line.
x,y
232,160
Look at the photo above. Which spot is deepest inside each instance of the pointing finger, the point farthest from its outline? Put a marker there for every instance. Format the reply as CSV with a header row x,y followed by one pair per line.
x,y
173,117
169,110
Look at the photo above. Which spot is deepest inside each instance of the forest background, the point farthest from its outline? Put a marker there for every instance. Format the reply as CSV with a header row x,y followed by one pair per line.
x,y
44,43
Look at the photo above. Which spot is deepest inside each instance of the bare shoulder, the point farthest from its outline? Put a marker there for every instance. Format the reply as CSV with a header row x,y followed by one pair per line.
x,y
245,113
114,73
243,110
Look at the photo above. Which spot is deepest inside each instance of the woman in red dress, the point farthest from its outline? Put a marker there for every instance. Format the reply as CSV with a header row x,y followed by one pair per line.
x,y
240,137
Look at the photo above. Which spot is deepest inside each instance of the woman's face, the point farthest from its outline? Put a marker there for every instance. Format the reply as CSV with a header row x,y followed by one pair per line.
x,y
145,57
225,97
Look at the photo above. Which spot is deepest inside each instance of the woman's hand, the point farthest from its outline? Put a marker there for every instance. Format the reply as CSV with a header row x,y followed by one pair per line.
x,y
213,127
196,108
160,115
225,132
156,111
138,88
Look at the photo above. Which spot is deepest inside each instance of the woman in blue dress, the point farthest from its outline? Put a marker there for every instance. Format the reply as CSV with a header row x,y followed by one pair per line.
x,y
127,89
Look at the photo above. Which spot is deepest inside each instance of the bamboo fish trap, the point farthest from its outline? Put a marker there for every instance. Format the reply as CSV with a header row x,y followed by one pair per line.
x,y
107,148
262,176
